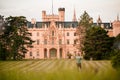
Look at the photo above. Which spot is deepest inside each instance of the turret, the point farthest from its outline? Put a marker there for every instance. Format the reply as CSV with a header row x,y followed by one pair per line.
x,y
116,27
99,20
61,14
74,16
43,15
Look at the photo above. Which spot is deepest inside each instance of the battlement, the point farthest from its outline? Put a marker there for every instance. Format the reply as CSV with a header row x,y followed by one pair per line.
x,y
61,9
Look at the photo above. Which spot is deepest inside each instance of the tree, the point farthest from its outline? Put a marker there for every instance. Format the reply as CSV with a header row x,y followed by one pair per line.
x,y
16,37
116,53
97,44
116,59
84,23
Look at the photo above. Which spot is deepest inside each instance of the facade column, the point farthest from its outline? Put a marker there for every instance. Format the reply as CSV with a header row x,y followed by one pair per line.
x,y
48,54
58,53
63,53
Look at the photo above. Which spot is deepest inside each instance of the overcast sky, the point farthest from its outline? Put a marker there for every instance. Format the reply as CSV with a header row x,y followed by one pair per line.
x,y
107,9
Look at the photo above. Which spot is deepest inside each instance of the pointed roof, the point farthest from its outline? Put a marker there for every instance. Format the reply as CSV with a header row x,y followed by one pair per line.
x,y
99,20
74,16
117,17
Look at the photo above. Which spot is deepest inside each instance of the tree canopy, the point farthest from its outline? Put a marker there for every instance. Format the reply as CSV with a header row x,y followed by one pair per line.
x,y
85,22
15,38
116,53
97,44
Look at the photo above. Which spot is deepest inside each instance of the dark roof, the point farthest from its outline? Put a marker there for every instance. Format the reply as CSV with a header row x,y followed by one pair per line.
x,y
63,24
106,25
66,24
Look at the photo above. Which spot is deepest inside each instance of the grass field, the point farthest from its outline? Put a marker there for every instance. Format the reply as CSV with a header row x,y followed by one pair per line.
x,y
63,69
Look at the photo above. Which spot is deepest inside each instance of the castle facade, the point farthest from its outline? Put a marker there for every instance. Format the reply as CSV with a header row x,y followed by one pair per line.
x,y
56,38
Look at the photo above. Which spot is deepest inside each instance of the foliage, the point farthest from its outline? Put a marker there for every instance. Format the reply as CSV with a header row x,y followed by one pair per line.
x,y
116,59
85,22
117,42
97,44
15,38
116,53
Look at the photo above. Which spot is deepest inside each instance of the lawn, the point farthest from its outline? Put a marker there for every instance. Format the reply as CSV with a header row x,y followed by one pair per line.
x,y
62,69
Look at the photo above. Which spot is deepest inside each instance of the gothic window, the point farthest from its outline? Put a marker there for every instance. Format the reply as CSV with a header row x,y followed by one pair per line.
x,y
45,53
52,41
74,34
67,33
52,33
30,53
68,42
74,41
37,33
45,41
60,41
37,53
38,42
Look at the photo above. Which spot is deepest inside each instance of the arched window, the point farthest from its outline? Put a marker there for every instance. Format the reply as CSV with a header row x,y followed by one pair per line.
x,y
45,53
52,33
60,41
38,53
67,33
45,41
30,53
37,33
38,42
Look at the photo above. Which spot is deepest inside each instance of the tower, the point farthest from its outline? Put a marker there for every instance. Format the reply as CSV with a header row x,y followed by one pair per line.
x,y
116,26
74,16
61,14
43,15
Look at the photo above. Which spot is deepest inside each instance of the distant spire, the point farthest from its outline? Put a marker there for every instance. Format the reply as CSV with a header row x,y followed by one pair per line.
x,y
99,19
74,16
117,17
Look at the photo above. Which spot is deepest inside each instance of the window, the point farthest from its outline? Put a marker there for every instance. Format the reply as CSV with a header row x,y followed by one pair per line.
x,y
52,33
37,33
37,53
45,41
37,42
74,41
67,33
30,53
30,34
60,41
52,41
68,41
74,34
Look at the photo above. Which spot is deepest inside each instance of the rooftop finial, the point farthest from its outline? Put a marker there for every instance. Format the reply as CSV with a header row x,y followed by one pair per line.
x,y
99,19
74,16
117,17
52,7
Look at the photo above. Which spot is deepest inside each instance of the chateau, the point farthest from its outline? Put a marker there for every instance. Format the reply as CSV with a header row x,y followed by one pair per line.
x,y
55,38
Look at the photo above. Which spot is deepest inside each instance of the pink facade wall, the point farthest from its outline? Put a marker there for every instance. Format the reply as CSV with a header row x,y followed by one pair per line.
x,y
41,34
52,34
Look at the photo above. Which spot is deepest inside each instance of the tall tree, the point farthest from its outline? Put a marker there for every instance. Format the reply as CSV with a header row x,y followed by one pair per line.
x,y
85,22
16,37
116,53
97,44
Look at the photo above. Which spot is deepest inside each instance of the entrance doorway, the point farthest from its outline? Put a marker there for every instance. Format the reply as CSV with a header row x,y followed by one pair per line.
x,y
60,52
45,53
53,53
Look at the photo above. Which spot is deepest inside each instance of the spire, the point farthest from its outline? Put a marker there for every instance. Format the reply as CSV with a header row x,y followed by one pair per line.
x,y
74,16
117,17
52,7
99,20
